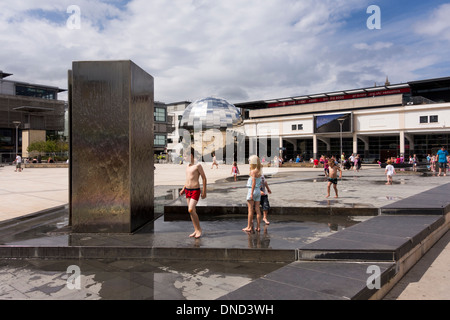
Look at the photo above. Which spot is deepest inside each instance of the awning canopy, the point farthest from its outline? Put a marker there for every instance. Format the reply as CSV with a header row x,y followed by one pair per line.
x,y
33,109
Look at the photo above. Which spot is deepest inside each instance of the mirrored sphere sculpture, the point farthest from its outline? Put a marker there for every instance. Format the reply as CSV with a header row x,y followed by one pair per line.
x,y
210,113
209,125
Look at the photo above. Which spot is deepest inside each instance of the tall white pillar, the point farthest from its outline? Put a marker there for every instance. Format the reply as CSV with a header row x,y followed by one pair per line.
x,y
402,142
281,147
315,146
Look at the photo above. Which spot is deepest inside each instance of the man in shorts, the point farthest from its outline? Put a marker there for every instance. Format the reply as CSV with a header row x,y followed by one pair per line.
x,y
18,163
442,154
192,190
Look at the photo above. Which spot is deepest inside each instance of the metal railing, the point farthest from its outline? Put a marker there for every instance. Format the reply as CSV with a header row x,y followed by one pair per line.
x,y
416,100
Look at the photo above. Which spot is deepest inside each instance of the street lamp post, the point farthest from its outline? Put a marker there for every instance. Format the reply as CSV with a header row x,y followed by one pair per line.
x,y
341,121
17,124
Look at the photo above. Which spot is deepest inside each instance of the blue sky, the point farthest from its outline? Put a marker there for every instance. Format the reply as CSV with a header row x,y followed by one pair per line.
x,y
234,49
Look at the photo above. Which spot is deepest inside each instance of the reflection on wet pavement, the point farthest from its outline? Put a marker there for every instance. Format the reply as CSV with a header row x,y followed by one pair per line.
x,y
125,279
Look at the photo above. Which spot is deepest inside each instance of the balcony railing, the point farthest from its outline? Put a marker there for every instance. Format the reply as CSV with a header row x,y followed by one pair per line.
x,y
417,100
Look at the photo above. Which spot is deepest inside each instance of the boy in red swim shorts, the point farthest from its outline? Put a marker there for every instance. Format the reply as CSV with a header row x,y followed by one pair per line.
x,y
194,194
192,189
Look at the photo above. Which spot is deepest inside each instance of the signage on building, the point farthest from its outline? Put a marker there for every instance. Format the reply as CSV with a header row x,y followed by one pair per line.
x,y
340,97
333,123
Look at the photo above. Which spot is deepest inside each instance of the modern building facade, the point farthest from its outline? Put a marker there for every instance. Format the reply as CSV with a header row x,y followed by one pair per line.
x,y
28,113
377,122
162,128
175,111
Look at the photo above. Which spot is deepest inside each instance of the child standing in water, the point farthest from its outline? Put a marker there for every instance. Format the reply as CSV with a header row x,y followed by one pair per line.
x,y
254,193
389,172
332,178
235,170
265,198
192,189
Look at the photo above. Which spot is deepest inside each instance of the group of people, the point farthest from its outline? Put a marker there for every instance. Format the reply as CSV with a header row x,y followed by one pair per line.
x,y
353,162
258,188
19,160
441,159
401,159
257,191
256,195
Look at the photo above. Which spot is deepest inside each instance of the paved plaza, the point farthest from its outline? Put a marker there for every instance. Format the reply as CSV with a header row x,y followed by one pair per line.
x,y
24,193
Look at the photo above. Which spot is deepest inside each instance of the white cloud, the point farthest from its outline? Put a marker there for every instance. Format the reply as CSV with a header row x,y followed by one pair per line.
x,y
240,50
437,24
375,46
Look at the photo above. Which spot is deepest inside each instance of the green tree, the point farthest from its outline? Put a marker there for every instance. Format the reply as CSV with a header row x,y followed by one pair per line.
x,y
37,146
62,146
51,146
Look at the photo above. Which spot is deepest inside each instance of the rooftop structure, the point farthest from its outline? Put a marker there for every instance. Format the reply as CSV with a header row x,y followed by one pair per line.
x,y
383,121
35,108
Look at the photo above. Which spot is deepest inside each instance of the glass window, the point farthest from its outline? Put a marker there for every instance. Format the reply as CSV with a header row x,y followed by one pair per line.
x,y
160,114
423,119
6,136
31,91
160,140
434,119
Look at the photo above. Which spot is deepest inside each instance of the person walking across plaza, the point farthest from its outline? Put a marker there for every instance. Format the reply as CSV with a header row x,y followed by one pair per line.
x,y
192,190
214,162
357,163
442,160
18,163
332,177
254,194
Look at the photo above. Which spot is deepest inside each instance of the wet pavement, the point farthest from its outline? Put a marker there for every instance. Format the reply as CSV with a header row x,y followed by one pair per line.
x,y
125,279
284,232
293,225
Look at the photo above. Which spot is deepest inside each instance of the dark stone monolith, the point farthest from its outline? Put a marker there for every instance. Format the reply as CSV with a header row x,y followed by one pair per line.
x,y
111,163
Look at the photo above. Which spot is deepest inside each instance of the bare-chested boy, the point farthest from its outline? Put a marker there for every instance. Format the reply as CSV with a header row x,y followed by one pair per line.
x,y
192,189
332,177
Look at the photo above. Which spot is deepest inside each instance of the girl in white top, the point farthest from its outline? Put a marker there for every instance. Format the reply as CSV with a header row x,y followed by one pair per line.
x,y
389,172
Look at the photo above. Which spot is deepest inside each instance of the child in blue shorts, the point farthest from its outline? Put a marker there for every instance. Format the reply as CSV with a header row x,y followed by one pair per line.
x,y
265,198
